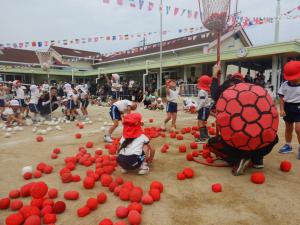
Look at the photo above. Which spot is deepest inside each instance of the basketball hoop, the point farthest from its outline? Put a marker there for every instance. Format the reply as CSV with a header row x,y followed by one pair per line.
x,y
214,15
45,60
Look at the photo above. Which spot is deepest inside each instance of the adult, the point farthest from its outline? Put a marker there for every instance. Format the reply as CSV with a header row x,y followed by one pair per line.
x,y
48,102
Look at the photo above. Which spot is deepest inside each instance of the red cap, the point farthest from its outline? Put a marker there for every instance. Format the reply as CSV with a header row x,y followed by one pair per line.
x,y
292,70
204,82
132,125
238,75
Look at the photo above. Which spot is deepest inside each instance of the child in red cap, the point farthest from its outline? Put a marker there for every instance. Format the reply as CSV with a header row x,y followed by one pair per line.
x,y
203,106
135,151
173,93
289,94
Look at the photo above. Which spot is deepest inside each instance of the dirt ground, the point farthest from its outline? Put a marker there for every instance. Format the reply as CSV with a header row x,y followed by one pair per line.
x,y
189,202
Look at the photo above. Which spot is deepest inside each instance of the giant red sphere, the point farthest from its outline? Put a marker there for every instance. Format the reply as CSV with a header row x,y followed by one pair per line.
x,y
247,117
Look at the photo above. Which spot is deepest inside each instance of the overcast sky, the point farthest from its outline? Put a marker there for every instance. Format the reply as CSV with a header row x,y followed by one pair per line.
x,y
40,20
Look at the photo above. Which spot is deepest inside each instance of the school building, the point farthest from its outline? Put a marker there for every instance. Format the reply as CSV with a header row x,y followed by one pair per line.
x,y
183,58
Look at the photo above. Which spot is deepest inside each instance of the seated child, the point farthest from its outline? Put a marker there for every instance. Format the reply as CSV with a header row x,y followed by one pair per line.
x,y
157,104
12,113
135,151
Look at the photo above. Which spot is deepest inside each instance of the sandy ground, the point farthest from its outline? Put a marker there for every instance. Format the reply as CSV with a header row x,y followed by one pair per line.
x,y
189,202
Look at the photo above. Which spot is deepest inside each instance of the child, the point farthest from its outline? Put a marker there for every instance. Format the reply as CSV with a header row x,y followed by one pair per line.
x,y
34,99
289,93
72,102
135,151
20,94
173,93
84,100
116,112
2,97
203,106
115,85
12,113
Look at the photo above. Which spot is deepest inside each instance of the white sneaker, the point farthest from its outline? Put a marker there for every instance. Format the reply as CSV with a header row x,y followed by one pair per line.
x,y
143,169
108,139
123,170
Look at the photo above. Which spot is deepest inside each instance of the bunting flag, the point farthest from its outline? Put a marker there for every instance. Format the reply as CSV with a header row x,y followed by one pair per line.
x,y
132,3
141,4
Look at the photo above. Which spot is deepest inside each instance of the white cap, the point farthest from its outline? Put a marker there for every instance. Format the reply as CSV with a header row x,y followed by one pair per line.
x,y
15,82
14,103
116,76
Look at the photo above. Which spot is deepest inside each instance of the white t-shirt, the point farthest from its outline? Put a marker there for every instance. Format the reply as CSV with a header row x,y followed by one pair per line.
x,y
135,147
8,112
20,93
173,96
203,100
290,93
34,98
122,105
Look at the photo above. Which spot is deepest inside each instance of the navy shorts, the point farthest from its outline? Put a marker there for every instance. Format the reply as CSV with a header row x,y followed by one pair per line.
x,y
33,108
115,113
71,104
2,103
171,107
115,95
203,114
130,162
22,102
84,103
292,111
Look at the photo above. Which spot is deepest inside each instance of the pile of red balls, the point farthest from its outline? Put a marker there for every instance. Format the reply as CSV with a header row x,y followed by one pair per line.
x,y
187,173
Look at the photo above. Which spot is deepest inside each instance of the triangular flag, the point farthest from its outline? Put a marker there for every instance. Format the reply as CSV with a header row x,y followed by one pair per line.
x,y
150,6
190,13
120,2
176,10
195,15
132,3
141,4
106,1
183,11
33,44
168,8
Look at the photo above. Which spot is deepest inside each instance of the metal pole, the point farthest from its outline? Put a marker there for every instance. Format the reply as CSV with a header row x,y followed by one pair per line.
x,y
277,22
72,75
161,49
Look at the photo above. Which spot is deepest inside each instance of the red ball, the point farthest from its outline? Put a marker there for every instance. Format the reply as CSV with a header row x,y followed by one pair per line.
x,y
33,220
56,150
157,185
4,203
189,157
25,189
106,180
134,218
180,176
37,174
39,190
106,221
52,193
120,223
206,154
151,120
16,205
14,219
48,169
258,178
155,194
28,211
182,148
76,178
47,210
195,153
163,150
101,198
188,173
179,137
285,166
59,207
209,160
14,193
71,195
39,138
89,183
92,203
119,180
124,194
216,188
89,144
122,212
172,135
135,195
135,206
147,199
84,211
49,218
54,156
193,145
27,175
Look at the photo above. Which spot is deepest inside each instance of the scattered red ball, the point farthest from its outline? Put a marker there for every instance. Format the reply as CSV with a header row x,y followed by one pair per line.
x,y
84,211
195,153
258,178
48,169
27,176
285,166
136,206
179,137
124,194
120,223
216,188
151,120
134,218
206,153
106,180
16,205
193,145
122,212
188,173
180,176
92,203
14,193
155,194
54,156
52,193
56,150
49,218
89,144
39,190
157,185
209,160
33,220
39,138
182,148
106,221
78,136
71,195
14,219
89,183
189,157
59,207
101,198
37,174
147,199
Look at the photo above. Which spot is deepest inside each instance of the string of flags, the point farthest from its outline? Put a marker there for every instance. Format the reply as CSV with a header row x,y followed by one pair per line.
x,y
151,6
243,21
